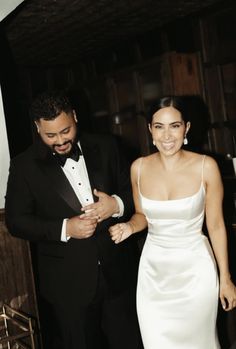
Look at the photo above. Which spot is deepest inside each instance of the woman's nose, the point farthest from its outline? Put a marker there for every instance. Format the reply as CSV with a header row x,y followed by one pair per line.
x,y
166,134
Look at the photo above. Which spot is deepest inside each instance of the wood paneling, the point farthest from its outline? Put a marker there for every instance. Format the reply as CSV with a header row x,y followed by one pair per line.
x,y
16,277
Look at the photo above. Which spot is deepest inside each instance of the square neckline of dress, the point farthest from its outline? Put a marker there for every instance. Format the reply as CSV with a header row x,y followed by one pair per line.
x,y
171,200
202,187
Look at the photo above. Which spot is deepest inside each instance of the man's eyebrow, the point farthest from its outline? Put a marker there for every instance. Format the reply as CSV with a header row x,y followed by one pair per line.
x,y
65,129
53,133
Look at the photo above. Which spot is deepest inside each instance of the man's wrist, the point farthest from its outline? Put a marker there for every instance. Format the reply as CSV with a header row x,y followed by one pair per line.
x,y
120,205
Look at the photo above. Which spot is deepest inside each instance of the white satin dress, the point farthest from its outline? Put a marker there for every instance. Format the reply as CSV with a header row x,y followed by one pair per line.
x,y
177,292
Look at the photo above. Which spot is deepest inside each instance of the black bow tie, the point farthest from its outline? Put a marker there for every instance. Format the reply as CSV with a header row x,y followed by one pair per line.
x,y
74,154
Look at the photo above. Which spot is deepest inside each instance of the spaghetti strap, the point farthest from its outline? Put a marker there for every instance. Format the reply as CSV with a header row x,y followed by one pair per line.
x,y
139,173
203,161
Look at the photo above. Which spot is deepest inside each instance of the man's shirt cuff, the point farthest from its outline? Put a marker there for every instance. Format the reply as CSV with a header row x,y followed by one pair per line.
x,y
121,207
64,238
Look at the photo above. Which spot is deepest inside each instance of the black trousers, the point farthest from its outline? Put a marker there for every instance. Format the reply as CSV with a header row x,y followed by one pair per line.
x,y
106,323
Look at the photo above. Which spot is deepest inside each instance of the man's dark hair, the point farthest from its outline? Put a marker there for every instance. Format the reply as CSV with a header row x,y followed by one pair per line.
x,y
49,105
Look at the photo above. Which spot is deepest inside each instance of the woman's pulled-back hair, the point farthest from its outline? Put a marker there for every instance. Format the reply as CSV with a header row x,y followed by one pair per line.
x,y
168,101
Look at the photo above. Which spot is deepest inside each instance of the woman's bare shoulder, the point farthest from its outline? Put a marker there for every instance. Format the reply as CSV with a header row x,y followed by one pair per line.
x,y
211,167
196,158
141,162
136,162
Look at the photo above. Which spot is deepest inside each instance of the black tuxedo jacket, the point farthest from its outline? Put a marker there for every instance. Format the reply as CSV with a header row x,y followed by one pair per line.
x,y
39,197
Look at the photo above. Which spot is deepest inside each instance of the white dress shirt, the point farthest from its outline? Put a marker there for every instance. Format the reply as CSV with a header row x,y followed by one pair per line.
x,y
77,175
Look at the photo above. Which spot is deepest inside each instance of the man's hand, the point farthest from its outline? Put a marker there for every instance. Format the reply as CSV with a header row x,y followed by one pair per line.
x,y
104,208
80,228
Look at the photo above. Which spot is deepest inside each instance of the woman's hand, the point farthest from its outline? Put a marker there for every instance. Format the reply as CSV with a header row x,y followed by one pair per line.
x,y
227,295
102,209
121,231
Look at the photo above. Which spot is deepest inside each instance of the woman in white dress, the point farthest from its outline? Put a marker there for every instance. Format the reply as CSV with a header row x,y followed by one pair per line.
x,y
173,190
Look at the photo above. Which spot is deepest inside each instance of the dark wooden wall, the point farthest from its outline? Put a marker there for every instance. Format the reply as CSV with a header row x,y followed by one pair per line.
x,y
16,277
195,55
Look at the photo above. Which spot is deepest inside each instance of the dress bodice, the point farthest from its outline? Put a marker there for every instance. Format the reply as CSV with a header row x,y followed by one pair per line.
x,y
181,218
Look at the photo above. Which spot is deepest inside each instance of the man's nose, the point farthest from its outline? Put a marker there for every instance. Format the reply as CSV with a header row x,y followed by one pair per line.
x,y
60,139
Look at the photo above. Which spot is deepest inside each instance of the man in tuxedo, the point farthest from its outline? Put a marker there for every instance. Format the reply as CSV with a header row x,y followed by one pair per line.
x,y
63,193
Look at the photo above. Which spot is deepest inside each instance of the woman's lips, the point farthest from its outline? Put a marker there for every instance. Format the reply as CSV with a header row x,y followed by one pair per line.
x,y
167,145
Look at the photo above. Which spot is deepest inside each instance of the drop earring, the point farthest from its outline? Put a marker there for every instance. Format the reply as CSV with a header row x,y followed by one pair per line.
x,y
185,140
153,142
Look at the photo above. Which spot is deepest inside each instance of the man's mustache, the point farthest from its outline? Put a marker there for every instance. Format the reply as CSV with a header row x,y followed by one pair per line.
x,y
61,145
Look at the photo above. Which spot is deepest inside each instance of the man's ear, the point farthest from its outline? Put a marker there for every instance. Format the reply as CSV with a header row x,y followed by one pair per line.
x,y
75,116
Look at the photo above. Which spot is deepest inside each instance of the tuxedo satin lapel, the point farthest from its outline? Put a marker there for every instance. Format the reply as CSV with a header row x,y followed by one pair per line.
x,y
60,183
93,159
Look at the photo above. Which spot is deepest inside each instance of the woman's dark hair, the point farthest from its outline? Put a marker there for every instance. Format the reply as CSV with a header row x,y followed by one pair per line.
x,y
168,101
49,105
